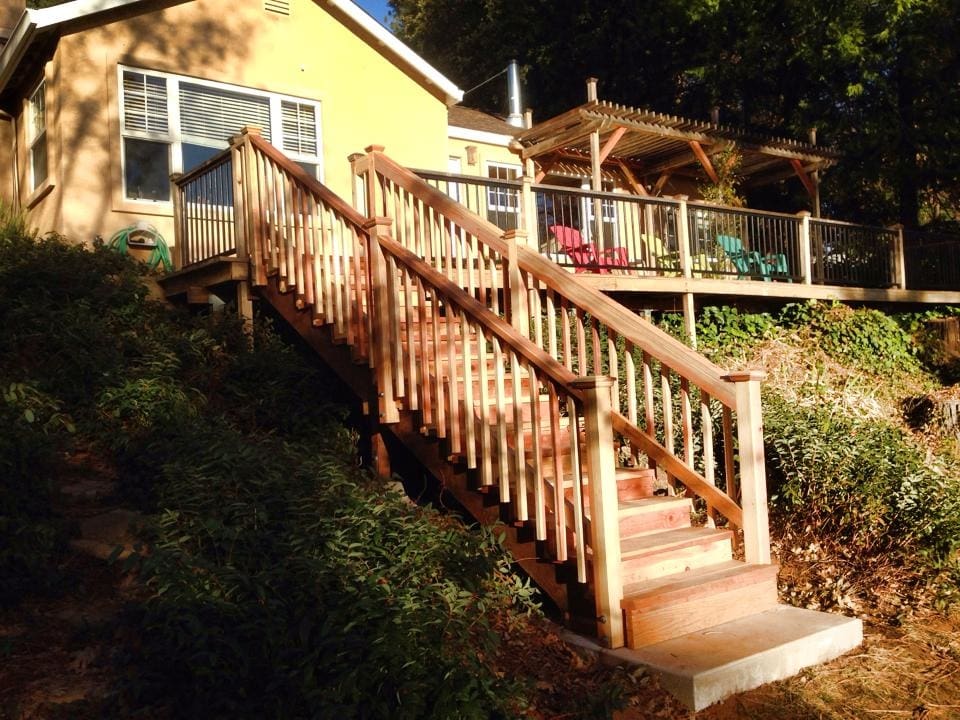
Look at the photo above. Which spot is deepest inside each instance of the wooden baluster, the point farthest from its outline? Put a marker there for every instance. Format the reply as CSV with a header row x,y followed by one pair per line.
x,y
559,496
581,342
357,283
180,253
596,346
414,381
503,456
551,325
310,251
429,399
604,507
486,441
686,421
709,473
536,456
329,277
270,183
289,246
519,455
753,478
469,409
728,455
536,308
454,394
296,238
613,369
630,370
438,389
473,266
396,339
565,332
667,402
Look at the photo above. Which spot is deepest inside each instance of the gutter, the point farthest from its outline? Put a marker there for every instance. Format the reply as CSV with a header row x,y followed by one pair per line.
x,y
16,48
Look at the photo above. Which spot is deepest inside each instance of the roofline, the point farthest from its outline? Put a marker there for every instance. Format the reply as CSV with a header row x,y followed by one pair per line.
x,y
459,132
452,93
33,21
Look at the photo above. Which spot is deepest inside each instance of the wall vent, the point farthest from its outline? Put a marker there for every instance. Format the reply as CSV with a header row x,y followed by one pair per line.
x,y
281,7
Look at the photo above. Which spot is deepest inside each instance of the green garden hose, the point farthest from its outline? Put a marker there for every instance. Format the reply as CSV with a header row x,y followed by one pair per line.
x,y
145,236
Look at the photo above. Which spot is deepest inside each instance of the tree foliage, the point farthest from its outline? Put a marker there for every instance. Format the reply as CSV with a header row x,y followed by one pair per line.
x,y
878,79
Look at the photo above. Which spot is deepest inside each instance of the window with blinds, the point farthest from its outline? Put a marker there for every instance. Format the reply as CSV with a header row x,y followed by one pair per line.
x,y
144,103
299,127
215,114
172,124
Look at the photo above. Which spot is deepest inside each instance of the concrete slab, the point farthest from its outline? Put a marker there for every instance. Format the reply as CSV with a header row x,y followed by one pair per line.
x,y
704,667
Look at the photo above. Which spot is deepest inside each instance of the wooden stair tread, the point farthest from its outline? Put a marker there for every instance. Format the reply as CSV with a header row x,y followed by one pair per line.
x,y
669,540
694,584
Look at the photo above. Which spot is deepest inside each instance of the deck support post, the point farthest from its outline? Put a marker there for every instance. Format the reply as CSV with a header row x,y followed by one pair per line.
x,y
516,293
753,477
245,308
806,253
380,341
899,260
604,507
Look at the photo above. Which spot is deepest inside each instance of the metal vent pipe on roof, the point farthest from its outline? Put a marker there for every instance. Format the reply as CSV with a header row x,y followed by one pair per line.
x,y
515,116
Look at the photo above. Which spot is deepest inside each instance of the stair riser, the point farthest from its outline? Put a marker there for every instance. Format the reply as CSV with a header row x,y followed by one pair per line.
x,y
666,519
674,619
673,561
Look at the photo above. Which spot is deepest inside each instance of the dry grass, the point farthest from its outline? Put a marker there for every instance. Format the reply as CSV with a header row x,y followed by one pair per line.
x,y
908,672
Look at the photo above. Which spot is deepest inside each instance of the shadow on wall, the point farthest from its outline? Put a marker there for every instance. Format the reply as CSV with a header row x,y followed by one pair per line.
x,y
89,163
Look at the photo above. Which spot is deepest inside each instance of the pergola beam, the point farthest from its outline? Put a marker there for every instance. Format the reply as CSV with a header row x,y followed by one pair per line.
x,y
611,143
705,162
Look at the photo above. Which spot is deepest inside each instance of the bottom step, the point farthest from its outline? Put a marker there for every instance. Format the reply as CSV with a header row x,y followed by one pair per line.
x,y
706,666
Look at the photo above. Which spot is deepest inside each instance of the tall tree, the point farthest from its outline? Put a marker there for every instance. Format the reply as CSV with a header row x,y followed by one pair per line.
x,y
878,78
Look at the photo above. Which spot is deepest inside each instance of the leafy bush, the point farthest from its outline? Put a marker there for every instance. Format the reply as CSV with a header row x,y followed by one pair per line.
x,y
284,575
33,428
860,486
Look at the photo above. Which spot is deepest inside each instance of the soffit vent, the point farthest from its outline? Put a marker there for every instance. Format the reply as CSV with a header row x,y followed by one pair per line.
x,y
281,7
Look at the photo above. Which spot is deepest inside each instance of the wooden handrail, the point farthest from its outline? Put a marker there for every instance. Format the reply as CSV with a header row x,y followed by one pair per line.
x,y
634,329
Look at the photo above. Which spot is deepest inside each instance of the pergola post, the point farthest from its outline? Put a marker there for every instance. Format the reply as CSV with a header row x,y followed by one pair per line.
x,y
806,254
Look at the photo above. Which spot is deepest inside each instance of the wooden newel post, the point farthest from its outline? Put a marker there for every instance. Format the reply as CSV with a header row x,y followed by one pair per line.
x,y
753,474
515,289
380,340
806,250
179,223
237,162
604,510
371,199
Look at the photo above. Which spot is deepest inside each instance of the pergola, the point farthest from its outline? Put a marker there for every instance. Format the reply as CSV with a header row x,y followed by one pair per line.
x,y
647,148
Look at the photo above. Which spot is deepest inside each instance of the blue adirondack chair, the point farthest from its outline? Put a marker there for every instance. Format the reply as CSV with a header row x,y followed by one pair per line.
x,y
747,262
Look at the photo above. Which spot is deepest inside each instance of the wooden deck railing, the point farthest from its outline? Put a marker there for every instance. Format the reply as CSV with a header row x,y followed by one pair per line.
x,y
675,237
667,400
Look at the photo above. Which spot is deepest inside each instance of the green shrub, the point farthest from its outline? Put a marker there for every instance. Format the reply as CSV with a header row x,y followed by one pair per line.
x,y
862,483
33,430
287,577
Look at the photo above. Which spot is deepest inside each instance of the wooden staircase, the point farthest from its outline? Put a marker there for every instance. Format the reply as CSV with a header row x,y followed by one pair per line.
x,y
537,401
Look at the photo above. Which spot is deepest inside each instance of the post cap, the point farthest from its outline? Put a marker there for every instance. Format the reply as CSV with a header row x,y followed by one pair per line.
x,y
377,221
374,148
745,375
591,382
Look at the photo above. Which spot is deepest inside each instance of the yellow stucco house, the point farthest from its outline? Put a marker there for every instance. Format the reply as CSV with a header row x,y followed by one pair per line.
x,y
101,100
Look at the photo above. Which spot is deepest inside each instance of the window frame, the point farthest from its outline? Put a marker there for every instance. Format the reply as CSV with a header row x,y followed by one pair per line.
x,y
175,139
494,194
35,138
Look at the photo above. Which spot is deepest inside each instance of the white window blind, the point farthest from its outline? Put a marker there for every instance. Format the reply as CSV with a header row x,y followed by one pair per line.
x,y
299,127
215,114
144,103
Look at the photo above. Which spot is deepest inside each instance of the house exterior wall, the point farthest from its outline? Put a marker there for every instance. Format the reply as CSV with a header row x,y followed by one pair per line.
x,y
485,153
364,99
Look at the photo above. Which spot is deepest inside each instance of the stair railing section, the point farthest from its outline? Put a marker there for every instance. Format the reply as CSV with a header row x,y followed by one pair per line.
x,y
497,401
666,399
203,211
